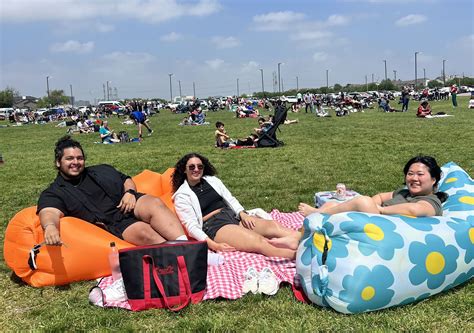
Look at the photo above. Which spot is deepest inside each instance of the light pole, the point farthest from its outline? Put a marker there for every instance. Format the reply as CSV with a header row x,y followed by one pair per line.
x,y
238,93
72,98
171,88
366,84
424,77
179,83
372,77
47,85
385,61
279,81
394,75
194,90
297,84
444,74
108,94
327,78
416,69
263,88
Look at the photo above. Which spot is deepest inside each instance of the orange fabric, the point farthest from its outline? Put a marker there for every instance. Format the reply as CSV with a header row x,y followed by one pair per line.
x,y
85,255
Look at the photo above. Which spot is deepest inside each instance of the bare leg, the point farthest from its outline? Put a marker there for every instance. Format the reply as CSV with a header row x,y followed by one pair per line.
x,y
141,233
249,241
163,222
270,228
139,130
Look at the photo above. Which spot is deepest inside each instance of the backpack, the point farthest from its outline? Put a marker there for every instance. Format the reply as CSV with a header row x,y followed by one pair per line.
x,y
123,137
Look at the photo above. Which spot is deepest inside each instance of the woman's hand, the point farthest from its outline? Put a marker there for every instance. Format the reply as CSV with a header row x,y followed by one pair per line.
x,y
219,247
248,221
127,204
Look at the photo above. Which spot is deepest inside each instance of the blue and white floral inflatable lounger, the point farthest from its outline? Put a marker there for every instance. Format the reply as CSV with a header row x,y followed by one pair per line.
x,y
357,262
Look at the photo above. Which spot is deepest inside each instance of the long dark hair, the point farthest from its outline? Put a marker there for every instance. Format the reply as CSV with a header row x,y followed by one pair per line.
x,y
434,170
179,175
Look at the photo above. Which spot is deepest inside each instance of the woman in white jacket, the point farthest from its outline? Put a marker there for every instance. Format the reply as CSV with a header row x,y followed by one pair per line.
x,y
210,212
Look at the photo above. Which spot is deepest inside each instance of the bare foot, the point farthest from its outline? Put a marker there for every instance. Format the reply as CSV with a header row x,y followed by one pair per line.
x,y
287,242
306,209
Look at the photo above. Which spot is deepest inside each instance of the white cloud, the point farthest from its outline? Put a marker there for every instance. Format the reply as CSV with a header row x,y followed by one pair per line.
x,y
152,11
215,63
129,57
72,46
250,66
225,42
277,21
320,56
310,35
467,41
171,37
334,20
102,27
410,19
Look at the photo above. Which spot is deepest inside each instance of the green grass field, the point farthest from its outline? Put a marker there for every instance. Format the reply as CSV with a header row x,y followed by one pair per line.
x,y
366,151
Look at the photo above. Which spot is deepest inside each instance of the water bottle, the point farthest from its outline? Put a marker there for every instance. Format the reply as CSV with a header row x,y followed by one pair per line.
x,y
215,259
114,262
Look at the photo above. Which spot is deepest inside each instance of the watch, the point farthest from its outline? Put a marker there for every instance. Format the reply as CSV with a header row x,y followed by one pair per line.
x,y
133,192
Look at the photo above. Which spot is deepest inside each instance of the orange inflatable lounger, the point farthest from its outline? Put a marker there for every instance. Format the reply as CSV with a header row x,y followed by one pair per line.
x,y
85,253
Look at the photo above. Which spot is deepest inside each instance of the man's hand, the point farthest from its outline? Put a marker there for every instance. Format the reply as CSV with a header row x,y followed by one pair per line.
x,y
127,204
51,235
49,219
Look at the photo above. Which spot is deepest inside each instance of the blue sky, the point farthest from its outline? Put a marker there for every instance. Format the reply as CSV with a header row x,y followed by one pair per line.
x,y
135,44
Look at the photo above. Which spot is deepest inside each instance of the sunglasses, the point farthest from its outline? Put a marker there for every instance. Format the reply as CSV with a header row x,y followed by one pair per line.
x,y
194,166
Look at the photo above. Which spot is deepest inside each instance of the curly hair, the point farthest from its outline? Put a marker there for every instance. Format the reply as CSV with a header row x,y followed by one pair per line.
x,y
179,175
433,168
64,143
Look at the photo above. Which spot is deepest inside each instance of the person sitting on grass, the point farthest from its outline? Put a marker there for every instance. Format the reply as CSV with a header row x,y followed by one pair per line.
x,y
107,135
211,213
424,109
419,198
263,126
222,139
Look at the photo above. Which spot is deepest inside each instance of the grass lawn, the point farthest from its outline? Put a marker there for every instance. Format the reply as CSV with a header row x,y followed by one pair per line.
x,y
366,151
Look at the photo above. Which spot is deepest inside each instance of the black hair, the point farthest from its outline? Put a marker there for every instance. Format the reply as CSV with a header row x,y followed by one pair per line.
x,y
179,175
261,119
434,170
219,124
64,143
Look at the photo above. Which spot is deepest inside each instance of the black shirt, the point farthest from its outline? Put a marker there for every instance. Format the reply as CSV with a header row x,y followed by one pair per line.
x,y
209,199
93,197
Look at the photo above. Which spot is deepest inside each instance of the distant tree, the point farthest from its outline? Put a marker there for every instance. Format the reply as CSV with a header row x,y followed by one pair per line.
x,y
7,97
337,87
56,97
387,85
434,84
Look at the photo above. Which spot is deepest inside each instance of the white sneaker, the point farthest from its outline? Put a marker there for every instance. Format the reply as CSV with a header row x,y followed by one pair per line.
x,y
115,292
267,282
251,281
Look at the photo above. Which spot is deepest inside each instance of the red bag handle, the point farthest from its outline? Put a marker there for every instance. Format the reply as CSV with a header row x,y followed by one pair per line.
x,y
183,278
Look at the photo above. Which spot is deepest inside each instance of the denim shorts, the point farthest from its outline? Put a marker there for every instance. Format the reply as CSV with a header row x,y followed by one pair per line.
x,y
224,217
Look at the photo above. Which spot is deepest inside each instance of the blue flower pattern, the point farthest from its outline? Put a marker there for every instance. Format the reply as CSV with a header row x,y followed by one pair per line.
x,y
433,261
374,234
373,293
460,201
464,235
425,224
456,179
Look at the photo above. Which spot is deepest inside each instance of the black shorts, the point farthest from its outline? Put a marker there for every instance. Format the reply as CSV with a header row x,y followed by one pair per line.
x,y
224,217
120,222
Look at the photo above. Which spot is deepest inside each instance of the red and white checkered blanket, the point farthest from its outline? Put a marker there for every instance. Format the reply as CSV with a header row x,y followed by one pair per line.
x,y
226,280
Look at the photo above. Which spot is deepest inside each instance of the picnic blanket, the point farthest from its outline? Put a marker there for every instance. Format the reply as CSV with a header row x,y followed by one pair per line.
x,y
226,280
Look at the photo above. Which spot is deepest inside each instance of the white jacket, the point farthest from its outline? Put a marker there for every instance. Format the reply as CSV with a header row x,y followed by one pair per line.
x,y
186,204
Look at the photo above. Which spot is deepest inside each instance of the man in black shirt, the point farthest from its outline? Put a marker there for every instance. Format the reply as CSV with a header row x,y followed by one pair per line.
x,y
103,196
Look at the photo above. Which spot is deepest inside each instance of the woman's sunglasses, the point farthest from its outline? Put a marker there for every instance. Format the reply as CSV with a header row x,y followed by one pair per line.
x,y
194,166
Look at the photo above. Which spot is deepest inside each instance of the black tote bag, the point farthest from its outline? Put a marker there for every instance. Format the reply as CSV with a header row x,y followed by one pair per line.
x,y
168,275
